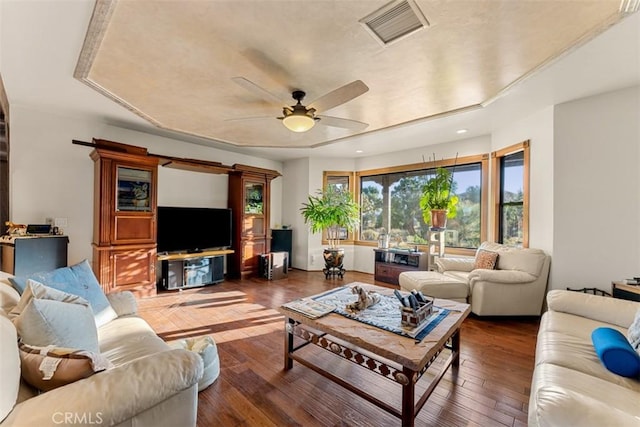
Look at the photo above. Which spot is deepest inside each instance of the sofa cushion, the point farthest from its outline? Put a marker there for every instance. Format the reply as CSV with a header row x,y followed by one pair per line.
x,y
77,280
564,397
45,322
47,368
615,352
527,260
9,366
9,297
128,338
486,260
565,340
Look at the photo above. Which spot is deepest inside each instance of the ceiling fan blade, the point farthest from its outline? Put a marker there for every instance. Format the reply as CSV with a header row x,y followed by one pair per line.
x,y
248,119
257,90
342,123
339,96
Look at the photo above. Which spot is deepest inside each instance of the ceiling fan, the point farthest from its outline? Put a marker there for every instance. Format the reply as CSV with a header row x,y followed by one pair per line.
x,y
301,118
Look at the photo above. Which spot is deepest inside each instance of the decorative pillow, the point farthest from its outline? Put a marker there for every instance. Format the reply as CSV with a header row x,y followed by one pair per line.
x,y
615,352
77,280
633,334
47,368
486,259
45,322
39,291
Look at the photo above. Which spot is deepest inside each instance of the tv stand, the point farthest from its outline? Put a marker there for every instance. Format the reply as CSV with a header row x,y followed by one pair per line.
x,y
389,263
189,270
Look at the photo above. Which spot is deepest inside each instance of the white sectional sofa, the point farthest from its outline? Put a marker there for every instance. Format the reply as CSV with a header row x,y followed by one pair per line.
x,y
570,386
149,385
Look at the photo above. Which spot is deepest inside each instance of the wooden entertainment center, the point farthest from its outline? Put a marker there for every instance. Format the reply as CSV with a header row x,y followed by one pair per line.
x,y
125,214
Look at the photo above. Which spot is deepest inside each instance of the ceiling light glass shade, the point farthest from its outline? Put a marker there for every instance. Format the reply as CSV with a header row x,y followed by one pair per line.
x,y
298,122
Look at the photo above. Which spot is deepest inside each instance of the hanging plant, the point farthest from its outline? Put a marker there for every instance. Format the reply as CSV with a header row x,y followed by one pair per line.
x,y
437,195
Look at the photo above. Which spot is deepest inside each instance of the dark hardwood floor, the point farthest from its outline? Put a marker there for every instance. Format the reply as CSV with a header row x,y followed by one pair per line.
x,y
491,388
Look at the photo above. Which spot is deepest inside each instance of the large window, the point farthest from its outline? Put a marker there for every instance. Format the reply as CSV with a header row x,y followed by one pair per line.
x,y
390,203
511,195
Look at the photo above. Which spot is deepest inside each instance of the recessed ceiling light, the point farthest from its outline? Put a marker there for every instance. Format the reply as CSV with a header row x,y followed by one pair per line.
x,y
461,131
359,151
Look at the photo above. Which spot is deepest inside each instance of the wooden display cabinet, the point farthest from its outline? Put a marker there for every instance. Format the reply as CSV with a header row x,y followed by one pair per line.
x,y
124,226
249,200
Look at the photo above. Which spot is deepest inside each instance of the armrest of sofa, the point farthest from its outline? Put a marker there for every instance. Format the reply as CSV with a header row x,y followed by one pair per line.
x,y
114,395
455,264
501,276
123,303
603,309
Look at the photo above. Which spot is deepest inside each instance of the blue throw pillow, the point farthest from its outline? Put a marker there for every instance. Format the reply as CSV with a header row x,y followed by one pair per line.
x,y
615,352
77,280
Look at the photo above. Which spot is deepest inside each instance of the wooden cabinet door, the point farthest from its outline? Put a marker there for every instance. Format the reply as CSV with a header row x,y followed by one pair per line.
x,y
134,270
251,251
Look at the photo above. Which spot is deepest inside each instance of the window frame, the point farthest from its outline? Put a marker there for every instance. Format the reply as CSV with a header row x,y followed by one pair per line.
x,y
496,194
483,159
326,176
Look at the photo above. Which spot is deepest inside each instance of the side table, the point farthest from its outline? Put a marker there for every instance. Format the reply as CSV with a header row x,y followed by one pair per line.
x,y
622,290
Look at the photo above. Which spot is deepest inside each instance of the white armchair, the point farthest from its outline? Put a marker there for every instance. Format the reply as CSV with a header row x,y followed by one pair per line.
x,y
515,288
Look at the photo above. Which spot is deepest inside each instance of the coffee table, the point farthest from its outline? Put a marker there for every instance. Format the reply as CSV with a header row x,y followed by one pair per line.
x,y
392,356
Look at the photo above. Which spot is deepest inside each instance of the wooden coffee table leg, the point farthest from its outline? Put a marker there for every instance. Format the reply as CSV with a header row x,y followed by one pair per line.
x,y
408,397
288,343
455,349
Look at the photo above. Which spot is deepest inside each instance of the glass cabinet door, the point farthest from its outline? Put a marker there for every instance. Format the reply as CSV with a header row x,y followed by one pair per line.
x,y
134,189
254,198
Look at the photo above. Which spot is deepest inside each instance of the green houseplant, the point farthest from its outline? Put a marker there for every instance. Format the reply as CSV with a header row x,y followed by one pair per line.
x,y
335,211
437,201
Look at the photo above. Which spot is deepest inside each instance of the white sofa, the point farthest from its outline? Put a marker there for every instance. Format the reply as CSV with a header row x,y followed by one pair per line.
x,y
570,386
516,287
149,385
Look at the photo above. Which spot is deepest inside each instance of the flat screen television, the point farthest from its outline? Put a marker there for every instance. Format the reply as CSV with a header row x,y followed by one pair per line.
x,y
193,229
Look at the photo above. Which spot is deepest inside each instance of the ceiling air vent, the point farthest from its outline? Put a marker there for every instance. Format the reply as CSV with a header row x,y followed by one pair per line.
x,y
394,21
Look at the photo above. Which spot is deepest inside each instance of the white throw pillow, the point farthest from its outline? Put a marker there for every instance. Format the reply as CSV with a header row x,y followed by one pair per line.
x,y
39,291
56,318
633,334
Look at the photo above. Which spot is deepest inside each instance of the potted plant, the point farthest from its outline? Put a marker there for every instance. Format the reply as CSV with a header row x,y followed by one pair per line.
x,y
437,201
335,211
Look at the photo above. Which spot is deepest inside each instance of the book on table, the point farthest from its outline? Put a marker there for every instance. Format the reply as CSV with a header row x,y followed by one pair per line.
x,y
310,308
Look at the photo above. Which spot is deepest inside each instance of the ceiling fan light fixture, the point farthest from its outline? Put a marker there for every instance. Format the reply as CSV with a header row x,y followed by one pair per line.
x,y
298,122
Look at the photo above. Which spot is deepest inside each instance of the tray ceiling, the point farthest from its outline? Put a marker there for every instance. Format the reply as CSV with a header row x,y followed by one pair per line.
x,y
172,63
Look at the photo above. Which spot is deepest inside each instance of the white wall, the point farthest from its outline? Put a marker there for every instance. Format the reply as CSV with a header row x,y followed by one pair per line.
x,y
296,188
51,177
538,128
597,190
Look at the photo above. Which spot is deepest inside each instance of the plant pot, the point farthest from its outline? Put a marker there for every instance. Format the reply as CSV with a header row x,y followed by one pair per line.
x,y
438,219
333,259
